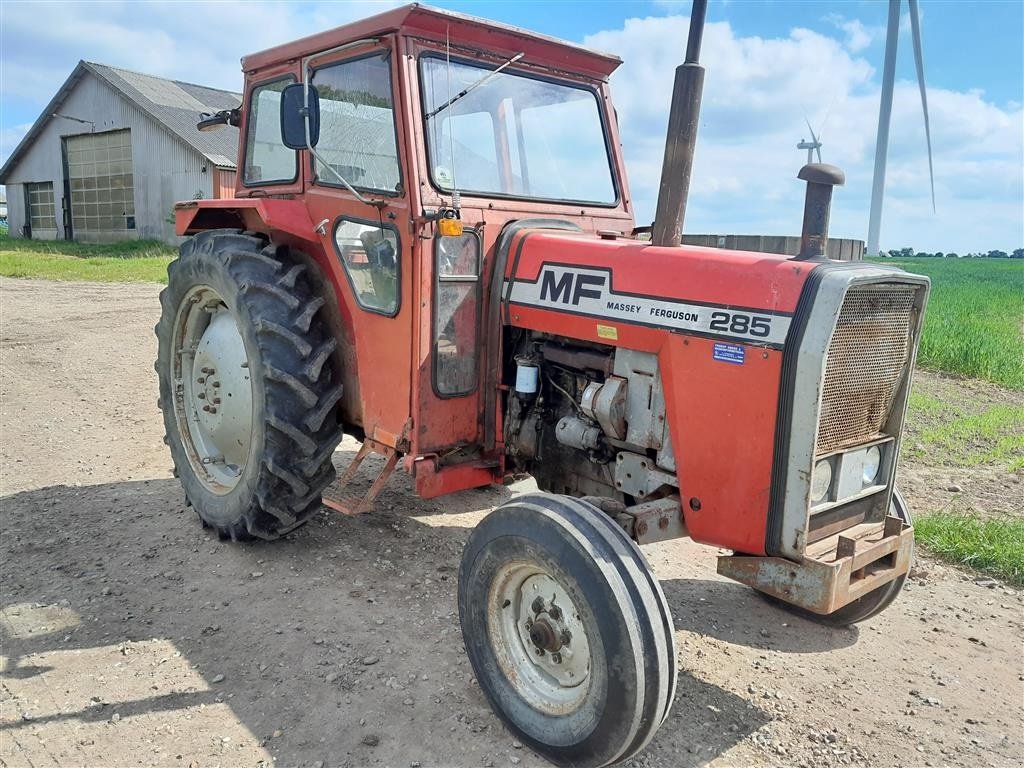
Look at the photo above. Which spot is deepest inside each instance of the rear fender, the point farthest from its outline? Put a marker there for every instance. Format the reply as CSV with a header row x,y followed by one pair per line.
x,y
287,222
272,216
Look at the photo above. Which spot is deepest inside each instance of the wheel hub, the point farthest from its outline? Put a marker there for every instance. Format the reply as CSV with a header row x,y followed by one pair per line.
x,y
214,392
544,637
540,640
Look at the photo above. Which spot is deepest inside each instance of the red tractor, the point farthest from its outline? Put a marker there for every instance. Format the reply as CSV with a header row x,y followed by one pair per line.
x,y
433,249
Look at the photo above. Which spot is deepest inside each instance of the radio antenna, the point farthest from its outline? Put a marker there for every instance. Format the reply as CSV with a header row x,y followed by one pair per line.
x,y
451,121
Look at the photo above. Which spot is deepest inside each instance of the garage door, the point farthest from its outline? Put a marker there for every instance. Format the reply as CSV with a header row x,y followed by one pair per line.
x,y
101,185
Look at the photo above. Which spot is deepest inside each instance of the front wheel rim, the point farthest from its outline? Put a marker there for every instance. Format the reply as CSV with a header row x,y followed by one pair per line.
x,y
539,639
212,389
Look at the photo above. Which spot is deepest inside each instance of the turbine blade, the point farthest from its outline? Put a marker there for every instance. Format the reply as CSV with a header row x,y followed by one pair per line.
x,y
884,115
813,137
818,150
915,31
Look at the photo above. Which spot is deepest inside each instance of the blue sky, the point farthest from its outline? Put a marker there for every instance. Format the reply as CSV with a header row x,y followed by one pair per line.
x,y
769,63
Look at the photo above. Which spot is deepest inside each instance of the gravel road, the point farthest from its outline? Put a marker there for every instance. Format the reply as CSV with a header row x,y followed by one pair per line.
x,y
132,636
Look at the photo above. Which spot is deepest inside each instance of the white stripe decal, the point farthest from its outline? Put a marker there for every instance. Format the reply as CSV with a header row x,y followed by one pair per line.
x,y
588,292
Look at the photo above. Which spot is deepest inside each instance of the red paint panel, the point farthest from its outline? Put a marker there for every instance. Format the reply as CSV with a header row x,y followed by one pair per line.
x,y
722,418
431,482
461,29
687,273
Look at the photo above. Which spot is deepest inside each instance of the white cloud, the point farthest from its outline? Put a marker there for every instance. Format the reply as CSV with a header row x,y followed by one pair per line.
x,y
196,42
858,36
756,93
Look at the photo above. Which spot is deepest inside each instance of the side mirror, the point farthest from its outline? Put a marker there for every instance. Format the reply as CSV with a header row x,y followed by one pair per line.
x,y
294,115
212,122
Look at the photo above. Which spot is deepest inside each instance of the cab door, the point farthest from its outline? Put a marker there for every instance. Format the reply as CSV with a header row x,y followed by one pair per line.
x,y
362,139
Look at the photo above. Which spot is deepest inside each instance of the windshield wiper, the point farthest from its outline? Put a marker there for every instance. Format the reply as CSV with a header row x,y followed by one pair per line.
x,y
475,85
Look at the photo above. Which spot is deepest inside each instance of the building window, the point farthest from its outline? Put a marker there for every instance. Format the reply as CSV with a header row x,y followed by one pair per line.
x,y
101,181
39,199
357,124
267,159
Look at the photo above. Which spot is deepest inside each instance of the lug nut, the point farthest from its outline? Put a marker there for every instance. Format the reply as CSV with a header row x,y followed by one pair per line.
x,y
529,623
201,380
555,612
216,383
213,410
538,605
206,408
556,657
215,401
566,637
201,395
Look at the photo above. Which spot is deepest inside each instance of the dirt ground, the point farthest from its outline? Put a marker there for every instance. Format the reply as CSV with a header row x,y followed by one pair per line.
x,y
132,636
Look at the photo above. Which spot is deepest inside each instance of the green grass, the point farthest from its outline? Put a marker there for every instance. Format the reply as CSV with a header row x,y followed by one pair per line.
x,y
131,261
966,434
993,546
975,318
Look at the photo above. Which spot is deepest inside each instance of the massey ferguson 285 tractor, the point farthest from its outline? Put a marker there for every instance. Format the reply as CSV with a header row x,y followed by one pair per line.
x,y
433,249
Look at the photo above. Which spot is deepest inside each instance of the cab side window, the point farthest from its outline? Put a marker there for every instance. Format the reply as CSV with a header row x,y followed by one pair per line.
x,y
357,124
267,159
370,254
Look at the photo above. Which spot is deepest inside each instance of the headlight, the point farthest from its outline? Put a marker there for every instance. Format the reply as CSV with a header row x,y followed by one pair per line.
x,y
872,463
821,481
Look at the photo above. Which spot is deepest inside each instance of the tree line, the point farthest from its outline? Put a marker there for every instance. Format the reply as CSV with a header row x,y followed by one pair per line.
x,y
908,253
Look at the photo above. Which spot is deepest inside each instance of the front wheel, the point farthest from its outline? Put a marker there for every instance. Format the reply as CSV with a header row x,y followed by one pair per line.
x,y
567,630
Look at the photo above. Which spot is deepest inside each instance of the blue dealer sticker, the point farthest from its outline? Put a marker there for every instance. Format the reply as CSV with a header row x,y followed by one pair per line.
x,y
730,353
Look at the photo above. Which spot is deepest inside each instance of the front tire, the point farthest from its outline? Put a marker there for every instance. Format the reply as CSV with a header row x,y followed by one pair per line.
x,y
567,630
248,385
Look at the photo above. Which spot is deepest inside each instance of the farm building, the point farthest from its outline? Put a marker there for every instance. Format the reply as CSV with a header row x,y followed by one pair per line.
x,y
111,154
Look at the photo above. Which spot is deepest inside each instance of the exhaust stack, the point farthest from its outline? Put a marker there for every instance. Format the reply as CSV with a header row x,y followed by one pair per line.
x,y
682,137
820,179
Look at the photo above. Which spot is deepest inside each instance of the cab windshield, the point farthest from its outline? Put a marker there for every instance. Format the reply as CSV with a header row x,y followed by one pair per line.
x,y
514,135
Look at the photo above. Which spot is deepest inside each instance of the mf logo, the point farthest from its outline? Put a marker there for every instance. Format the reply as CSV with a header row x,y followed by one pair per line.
x,y
570,287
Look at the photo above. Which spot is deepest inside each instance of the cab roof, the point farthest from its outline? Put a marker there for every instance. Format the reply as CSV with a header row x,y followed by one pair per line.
x,y
437,24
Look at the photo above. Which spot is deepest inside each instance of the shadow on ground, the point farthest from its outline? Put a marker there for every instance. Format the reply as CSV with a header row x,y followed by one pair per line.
x,y
735,614
342,639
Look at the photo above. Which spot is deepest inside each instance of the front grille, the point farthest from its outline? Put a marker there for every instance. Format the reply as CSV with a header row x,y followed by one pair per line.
x,y
865,363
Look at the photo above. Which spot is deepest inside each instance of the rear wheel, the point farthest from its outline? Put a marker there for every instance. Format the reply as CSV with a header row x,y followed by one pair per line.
x,y
567,630
248,385
872,603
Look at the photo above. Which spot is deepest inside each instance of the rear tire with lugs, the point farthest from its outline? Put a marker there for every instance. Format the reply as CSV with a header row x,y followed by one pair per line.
x,y
248,384
567,630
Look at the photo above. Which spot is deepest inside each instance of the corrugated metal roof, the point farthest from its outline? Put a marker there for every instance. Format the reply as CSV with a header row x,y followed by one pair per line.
x,y
173,104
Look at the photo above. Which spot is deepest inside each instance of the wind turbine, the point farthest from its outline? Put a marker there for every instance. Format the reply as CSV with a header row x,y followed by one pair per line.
x,y
811,146
885,113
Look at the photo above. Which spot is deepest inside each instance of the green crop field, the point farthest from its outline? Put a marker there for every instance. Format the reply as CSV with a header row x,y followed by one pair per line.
x,y
975,320
131,261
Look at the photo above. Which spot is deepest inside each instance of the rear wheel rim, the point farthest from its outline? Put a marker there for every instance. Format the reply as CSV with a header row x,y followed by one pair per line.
x,y
212,389
539,639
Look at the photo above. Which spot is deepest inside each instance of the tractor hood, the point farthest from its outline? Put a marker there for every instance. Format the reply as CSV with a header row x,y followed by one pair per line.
x,y
608,287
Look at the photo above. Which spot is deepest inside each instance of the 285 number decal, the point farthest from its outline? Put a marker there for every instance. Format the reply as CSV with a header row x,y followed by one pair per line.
x,y
740,323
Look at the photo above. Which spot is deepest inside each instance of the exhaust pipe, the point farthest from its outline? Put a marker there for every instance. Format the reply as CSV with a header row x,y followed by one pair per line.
x,y
820,179
682,137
